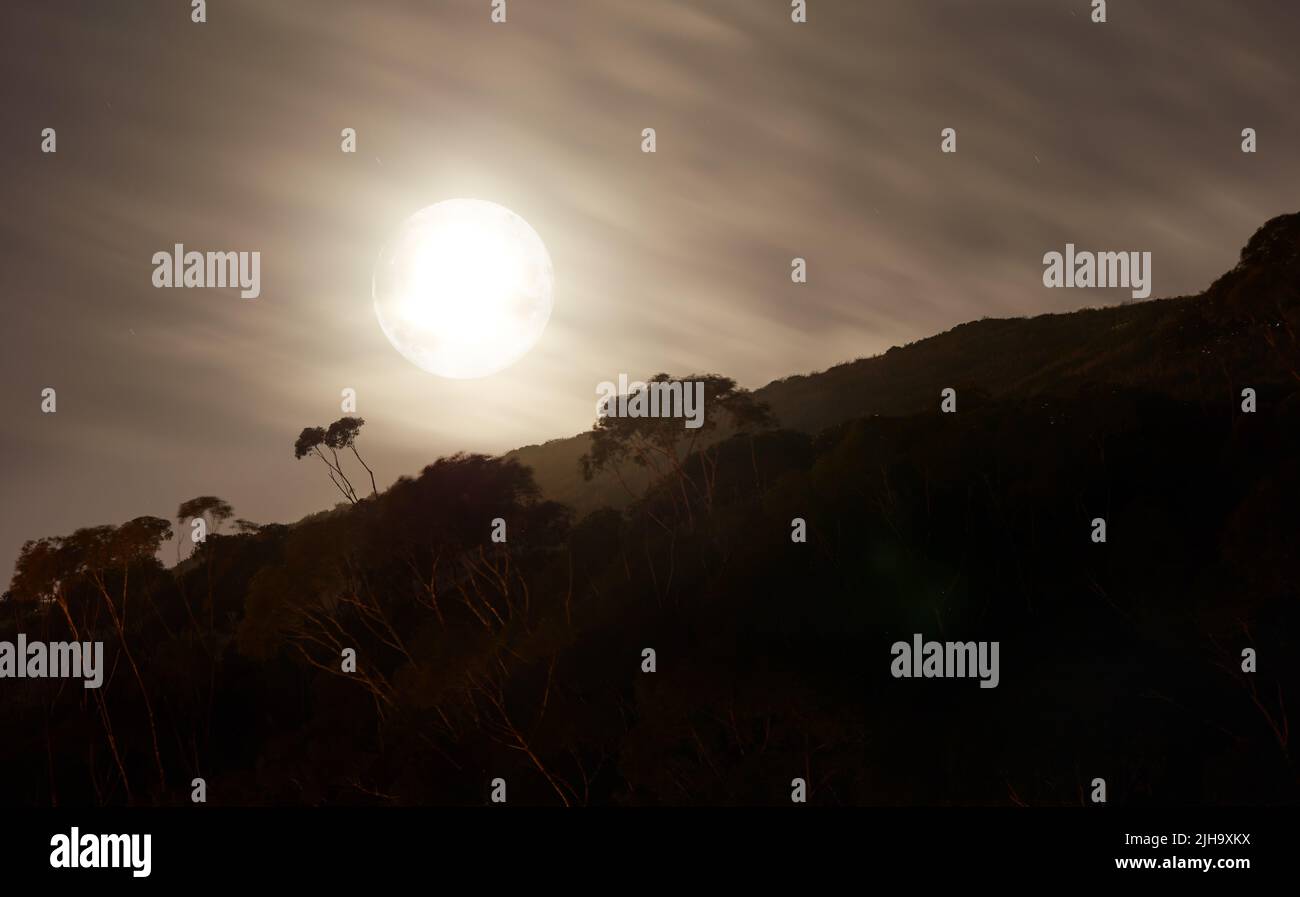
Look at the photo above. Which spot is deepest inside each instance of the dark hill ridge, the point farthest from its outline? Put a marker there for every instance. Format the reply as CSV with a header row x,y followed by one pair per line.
x,y
1241,331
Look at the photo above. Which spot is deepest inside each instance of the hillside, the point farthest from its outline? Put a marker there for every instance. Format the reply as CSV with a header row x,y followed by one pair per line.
x,y
1240,330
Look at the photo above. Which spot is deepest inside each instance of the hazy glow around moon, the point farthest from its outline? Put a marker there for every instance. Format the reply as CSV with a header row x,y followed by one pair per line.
x,y
465,288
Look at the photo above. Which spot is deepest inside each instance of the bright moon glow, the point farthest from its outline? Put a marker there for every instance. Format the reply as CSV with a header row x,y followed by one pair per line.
x,y
464,290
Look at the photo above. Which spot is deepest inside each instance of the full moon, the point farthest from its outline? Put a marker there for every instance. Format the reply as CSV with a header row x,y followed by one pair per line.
x,y
464,289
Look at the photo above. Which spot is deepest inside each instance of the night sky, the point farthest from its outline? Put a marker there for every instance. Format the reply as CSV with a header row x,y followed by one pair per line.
x,y
775,140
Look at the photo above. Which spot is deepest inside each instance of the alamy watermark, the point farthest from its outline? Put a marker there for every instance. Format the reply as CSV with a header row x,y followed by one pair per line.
x,y
946,660
53,660
199,270
1131,270
78,851
658,398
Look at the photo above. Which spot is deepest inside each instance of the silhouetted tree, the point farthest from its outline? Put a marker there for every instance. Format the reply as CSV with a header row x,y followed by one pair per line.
x,y
309,442
101,552
103,557
343,434
661,444
213,510
45,574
